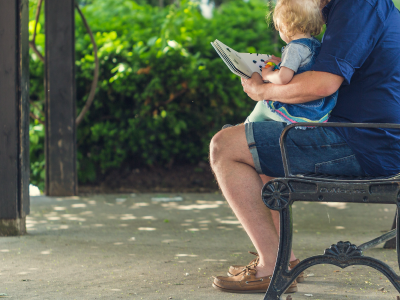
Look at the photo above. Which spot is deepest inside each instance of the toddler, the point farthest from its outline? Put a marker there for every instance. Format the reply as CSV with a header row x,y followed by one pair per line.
x,y
297,21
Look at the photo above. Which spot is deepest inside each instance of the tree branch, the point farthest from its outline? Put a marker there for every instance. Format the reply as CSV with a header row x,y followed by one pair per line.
x,y
33,116
93,87
172,96
32,43
37,107
92,93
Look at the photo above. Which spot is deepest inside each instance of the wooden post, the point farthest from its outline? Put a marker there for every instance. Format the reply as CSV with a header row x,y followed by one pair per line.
x,y
14,116
60,149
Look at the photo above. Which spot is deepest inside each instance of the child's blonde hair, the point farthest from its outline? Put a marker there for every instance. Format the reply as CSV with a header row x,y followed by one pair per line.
x,y
298,16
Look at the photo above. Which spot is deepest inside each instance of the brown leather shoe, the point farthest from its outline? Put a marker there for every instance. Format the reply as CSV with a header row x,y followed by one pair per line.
x,y
246,282
236,269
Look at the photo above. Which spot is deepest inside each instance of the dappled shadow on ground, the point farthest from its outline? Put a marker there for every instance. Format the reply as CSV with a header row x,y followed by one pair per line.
x,y
169,245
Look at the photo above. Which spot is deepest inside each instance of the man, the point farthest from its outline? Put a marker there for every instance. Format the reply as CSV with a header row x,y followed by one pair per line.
x,y
360,56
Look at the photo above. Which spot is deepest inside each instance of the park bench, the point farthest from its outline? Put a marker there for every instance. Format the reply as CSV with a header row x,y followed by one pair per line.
x,y
280,193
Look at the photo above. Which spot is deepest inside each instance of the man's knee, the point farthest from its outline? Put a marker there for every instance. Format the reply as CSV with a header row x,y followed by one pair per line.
x,y
216,147
229,145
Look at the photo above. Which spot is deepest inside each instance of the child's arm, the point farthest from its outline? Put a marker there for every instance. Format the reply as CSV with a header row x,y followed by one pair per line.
x,y
282,76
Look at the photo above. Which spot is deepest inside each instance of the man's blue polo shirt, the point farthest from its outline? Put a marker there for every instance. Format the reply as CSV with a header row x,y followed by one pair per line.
x,y
362,44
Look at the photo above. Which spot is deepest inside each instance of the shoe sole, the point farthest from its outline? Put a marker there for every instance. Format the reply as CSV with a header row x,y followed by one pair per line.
x,y
298,279
288,291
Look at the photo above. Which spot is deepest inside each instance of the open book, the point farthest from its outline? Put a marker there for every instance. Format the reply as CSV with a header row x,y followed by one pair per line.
x,y
241,64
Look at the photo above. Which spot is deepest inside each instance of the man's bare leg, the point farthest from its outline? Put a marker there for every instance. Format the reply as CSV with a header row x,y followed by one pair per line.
x,y
234,170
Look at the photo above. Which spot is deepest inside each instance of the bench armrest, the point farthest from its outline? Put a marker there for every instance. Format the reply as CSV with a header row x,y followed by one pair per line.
x,y
332,124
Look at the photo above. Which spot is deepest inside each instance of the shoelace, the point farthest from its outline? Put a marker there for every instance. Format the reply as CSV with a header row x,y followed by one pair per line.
x,y
254,261
250,266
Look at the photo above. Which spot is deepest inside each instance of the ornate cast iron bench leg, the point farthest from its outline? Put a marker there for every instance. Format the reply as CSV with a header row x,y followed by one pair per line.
x,y
282,278
342,254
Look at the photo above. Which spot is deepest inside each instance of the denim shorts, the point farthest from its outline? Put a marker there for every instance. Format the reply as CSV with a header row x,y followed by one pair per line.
x,y
316,150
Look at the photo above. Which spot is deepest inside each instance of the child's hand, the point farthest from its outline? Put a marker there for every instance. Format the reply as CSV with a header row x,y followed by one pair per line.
x,y
276,60
265,72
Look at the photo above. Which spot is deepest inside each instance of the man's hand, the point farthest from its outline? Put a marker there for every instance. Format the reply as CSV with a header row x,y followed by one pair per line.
x,y
254,87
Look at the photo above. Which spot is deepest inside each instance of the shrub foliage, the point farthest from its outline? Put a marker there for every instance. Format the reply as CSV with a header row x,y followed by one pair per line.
x,y
163,91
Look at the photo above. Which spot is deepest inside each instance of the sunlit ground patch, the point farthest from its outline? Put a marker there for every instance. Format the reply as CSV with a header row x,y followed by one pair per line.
x,y
211,259
230,222
59,208
193,229
76,219
86,213
174,205
127,217
147,228
139,204
73,217
185,255
338,205
168,241
78,205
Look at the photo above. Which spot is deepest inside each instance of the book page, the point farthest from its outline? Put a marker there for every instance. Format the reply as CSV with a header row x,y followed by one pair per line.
x,y
255,61
229,64
234,58
244,63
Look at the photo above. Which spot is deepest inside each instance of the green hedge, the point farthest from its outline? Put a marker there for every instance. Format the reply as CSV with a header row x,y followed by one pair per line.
x,y
163,91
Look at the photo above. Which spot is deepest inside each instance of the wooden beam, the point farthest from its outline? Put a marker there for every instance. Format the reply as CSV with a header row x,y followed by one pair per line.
x,y
14,116
61,175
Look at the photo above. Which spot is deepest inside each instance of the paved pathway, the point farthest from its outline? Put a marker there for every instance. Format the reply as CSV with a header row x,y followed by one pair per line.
x,y
130,247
